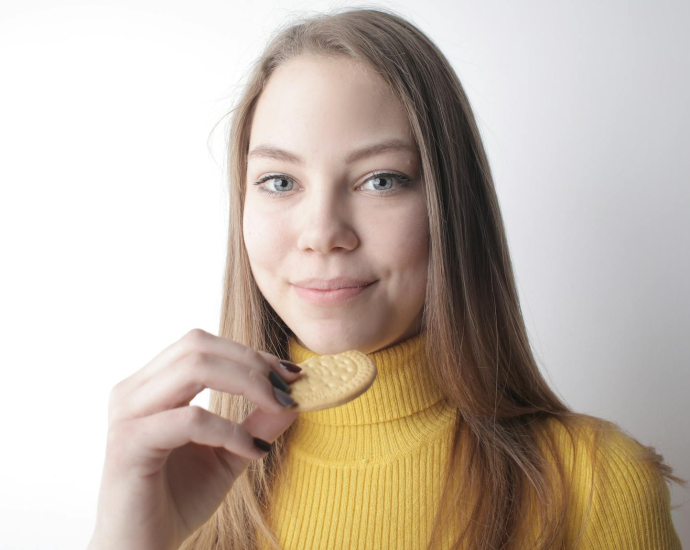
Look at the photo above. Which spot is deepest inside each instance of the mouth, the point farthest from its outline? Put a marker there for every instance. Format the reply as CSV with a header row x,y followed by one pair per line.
x,y
334,296
336,289
332,284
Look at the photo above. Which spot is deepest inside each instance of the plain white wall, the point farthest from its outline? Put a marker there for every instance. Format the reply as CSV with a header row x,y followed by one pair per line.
x,y
113,210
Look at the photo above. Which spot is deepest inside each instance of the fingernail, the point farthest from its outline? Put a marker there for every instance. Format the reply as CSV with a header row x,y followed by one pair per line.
x,y
278,382
283,398
263,445
289,365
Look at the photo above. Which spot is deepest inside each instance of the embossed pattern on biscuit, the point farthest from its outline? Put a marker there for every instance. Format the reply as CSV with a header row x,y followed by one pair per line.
x,y
332,380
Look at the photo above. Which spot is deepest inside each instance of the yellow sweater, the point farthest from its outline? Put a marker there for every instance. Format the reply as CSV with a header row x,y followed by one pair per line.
x,y
368,474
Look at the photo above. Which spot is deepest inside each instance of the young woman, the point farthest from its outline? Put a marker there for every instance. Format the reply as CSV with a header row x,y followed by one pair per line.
x,y
355,161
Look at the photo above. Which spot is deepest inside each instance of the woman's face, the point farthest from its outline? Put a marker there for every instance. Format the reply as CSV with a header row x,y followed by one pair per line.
x,y
330,216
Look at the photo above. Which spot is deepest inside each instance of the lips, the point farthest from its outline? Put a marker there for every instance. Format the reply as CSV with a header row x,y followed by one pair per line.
x,y
332,297
333,284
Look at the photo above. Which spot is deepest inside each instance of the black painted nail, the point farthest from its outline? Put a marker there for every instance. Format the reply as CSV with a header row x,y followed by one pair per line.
x,y
289,365
263,445
278,382
283,398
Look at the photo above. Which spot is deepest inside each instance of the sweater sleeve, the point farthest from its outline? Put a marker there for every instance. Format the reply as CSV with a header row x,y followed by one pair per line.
x,y
631,507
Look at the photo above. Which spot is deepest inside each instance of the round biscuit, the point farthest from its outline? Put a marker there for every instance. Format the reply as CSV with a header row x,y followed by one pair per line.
x,y
332,380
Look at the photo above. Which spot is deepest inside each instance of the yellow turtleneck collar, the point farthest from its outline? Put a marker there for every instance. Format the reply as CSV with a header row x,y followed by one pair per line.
x,y
403,386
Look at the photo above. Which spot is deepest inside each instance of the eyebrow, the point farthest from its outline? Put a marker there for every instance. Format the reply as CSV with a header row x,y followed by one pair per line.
x,y
275,153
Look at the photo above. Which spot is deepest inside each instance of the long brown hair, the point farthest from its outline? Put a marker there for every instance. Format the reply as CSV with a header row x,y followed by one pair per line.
x,y
480,357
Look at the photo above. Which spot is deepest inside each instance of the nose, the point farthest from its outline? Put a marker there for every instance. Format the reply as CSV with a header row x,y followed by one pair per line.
x,y
327,221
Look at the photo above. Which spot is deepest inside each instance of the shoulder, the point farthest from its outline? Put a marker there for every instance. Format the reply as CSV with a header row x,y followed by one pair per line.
x,y
620,482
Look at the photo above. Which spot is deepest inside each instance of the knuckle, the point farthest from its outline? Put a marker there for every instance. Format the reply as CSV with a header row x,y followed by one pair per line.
x,y
261,370
195,336
194,415
233,430
255,376
194,368
239,433
252,357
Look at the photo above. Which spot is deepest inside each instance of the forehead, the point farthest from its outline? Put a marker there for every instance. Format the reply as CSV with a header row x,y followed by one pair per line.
x,y
314,104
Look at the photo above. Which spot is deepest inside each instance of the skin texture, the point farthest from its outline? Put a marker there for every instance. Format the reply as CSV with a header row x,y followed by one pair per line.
x,y
332,218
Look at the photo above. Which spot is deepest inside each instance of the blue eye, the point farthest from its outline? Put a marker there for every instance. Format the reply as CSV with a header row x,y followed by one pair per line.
x,y
403,182
269,177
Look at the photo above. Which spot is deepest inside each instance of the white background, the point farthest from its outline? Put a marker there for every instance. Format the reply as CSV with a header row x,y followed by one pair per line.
x,y
113,210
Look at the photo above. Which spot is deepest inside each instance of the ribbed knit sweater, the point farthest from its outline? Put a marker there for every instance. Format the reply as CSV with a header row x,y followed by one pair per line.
x,y
369,474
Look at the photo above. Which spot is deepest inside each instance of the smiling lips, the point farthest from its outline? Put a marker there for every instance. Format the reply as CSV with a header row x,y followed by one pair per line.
x,y
333,296
332,284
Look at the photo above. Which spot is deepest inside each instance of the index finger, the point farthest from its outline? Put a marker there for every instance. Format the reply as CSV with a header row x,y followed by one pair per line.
x,y
286,369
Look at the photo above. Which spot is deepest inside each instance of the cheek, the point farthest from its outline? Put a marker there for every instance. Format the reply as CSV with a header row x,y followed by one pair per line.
x,y
264,238
402,240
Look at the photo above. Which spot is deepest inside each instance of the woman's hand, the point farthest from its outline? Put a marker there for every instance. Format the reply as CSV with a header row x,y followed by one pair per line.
x,y
169,465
